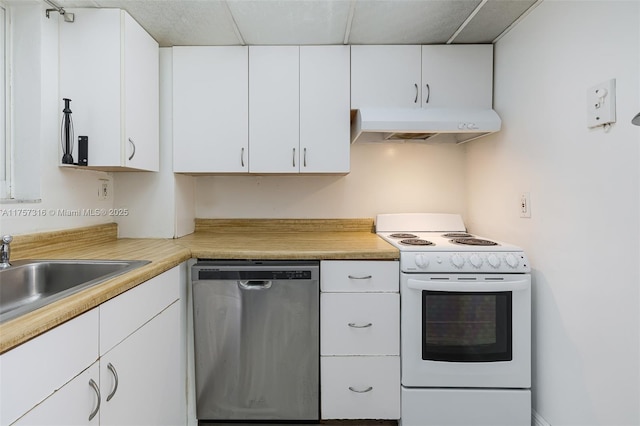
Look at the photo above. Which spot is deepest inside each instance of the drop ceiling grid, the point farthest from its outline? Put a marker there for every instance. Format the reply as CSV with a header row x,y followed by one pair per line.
x,y
303,22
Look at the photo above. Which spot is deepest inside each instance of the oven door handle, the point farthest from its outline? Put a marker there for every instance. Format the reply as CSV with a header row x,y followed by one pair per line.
x,y
483,286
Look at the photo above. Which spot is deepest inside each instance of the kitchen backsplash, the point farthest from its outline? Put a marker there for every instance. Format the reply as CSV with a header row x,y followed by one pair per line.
x,y
384,178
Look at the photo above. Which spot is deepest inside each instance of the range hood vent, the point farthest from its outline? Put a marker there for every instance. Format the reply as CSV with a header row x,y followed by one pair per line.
x,y
432,125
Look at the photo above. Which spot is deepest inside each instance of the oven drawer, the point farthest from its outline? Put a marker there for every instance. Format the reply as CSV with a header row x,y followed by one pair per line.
x,y
359,324
349,276
360,387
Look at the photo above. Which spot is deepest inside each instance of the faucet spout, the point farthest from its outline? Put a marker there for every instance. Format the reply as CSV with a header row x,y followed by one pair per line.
x,y
5,251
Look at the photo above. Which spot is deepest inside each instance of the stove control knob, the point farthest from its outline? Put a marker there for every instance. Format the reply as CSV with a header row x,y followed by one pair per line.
x,y
493,260
421,261
457,261
475,260
512,260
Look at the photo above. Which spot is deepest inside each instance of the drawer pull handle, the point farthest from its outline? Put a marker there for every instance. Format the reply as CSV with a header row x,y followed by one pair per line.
x,y
94,385
352,389
354,325
364,277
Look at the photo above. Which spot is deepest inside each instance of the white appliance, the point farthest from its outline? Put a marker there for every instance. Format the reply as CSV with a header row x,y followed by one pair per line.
x,y
439,125
465,323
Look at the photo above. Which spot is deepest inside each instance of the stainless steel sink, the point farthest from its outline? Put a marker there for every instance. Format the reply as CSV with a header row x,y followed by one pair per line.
x,y
30,284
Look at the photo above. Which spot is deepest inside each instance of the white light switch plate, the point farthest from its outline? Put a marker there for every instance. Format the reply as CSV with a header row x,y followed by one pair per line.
x,y
601,104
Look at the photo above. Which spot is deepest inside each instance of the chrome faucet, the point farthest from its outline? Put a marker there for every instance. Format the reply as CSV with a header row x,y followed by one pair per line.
x,y
5,251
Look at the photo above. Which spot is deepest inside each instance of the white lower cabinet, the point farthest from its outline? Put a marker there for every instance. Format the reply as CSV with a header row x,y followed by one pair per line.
x,y
359,340
360,387
140,381
73,404
360,323
121,363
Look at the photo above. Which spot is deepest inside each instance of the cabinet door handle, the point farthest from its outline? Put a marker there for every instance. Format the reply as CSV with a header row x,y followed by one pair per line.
x,y
354,325
364,277
111,368
294,157
352,389
428,93
133,144
415,101
304,157
242,157
93,384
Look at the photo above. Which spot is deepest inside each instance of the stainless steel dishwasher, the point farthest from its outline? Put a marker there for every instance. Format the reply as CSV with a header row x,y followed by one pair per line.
x,y
257,349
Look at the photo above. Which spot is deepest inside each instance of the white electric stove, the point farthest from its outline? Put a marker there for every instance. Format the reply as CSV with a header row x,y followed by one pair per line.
x,y
465,323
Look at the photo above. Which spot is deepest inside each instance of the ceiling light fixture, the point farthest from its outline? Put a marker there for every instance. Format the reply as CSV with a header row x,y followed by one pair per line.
x,y
636,120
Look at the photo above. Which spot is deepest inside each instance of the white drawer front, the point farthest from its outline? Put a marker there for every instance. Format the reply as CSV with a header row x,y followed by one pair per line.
x,y
360,387
360,324
348,276
124,314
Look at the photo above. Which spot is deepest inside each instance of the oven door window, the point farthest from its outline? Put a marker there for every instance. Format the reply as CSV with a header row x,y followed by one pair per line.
x,y
466,326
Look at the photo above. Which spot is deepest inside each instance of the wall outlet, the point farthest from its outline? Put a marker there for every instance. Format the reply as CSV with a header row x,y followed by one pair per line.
x,y
601,104
525,205
104,189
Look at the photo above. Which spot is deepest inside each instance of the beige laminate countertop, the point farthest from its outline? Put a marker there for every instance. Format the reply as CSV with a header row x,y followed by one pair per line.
x,y
213,239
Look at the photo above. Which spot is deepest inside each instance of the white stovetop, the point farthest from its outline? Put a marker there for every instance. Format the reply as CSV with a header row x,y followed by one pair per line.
x,y
444,244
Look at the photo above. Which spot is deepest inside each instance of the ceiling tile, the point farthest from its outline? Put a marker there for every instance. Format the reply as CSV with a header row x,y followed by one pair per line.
x,y
408,21
274,22
492,19
176,23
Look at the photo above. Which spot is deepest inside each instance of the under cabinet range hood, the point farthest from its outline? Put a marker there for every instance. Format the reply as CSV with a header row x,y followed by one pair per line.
x,y
433,125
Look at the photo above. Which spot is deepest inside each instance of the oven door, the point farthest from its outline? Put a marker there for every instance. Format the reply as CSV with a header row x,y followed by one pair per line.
x,y
466,330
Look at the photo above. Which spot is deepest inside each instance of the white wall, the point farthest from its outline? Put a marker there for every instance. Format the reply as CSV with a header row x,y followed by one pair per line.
x,y
384,178
582,237
37,124
158,205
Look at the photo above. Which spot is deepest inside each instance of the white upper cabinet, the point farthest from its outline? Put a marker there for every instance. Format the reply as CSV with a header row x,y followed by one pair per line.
x,y
211,107
109,69
385,76
299,109
324,109
410,76
274,127
457,76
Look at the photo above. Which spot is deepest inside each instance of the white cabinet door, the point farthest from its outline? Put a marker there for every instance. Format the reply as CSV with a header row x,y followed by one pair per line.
x,y
210,109
457,76
141,379
72,405
324,109
385,76
360,387
32,371
109,69
141,97
274,127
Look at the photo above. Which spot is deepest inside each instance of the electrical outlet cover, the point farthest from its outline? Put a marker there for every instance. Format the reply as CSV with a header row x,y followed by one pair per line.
x,y
601,104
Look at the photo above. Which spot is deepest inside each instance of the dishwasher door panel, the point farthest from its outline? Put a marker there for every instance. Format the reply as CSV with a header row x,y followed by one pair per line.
x,y
257,350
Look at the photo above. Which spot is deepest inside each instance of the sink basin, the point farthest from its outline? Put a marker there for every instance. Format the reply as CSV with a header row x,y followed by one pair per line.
x,y
30,284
